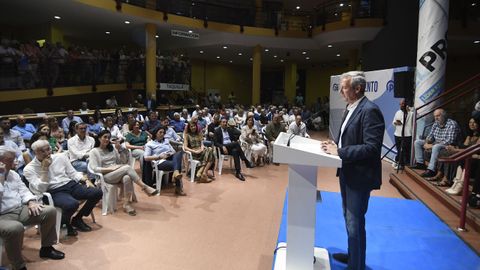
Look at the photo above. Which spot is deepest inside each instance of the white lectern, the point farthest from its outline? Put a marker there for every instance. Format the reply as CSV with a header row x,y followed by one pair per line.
x,y
303,156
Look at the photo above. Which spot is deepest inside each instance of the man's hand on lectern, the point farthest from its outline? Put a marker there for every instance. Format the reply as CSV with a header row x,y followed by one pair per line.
x,y
330,147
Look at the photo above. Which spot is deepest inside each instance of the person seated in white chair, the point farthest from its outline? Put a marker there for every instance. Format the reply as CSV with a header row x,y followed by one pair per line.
x,y
79,146
254,143
298,127
18,207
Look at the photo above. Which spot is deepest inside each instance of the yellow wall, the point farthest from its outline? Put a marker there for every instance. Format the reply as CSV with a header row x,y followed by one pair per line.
x,y
226,78
318,82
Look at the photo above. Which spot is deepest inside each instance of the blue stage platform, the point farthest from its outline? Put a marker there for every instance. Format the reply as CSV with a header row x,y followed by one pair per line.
x,y
401,235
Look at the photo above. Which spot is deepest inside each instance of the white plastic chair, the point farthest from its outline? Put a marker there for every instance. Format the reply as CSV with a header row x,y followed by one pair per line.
x,y
221,159
191,164
159,174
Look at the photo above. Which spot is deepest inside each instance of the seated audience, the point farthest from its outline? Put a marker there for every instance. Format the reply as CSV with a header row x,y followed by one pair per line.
x,y
177,123
135,140
138,116
298,127
127,127
44,131
193,143
55,174
444,132
152,123
56,132
10,134
112,128
185,116
254,143
170,160
93,127
109,160
69,118
240,118
71,130
18,208
273,130
26,129
227,142
79,147
171,135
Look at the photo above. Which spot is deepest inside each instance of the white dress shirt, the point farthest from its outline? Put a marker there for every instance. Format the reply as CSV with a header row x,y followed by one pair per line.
x,y
60,172
298,130
408,123
16,137
13,193
78,148
351,108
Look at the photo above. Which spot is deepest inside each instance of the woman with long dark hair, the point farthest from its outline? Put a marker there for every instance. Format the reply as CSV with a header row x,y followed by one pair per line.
x,y
193,143
109,160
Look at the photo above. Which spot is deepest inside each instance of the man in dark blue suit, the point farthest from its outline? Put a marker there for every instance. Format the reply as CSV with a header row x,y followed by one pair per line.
x,y
359,145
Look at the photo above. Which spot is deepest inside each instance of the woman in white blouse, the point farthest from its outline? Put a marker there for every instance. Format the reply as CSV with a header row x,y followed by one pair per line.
x,y
252,142
112,128
109,161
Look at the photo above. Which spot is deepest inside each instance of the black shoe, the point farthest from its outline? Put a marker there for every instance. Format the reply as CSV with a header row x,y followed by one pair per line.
x,y
80,225
428,173
341,257
51,253
419,166
248,164
240,176
276,164
71,231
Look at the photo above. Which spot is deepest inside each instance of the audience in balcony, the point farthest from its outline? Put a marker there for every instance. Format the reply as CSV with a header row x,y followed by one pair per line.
x,y
194,144
445,131
26,129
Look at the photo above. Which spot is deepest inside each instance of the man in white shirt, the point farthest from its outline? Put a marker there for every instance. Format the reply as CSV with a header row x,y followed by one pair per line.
x,y
18,207
298,127
403,122
79,146
70,117
10,134
55,174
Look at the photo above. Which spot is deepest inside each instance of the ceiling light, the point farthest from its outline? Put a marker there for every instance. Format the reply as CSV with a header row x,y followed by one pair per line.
x,y
218,57
57,17
181,55
298,7
281,60
329,45
230,61
341,4
476,42
266,50
201,51
251,59
474,4
225,47
274,56
107,32
127,22
308,58
304,52
156,36
240,54
190,31
338,55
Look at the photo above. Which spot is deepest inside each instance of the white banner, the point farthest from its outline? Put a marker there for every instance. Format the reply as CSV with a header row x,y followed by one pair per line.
x,y
185,34
174,86
380,90
431,50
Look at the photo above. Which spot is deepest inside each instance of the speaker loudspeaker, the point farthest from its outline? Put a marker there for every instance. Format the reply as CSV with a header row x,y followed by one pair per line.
x,y
404,84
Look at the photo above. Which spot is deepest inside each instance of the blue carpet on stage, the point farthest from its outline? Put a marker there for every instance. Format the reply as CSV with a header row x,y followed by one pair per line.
x,y
401,234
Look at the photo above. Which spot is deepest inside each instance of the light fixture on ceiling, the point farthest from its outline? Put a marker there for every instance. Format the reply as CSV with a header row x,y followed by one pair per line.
x,y
341,4
476,42
201,52
57,17
239,54
474,4
298,7
281,60
181,55
307,58
338,55
127,22
266,50
304,52
230,61
329,45
156,36
274,56
190,31
251,59
218,57
225,47
107,32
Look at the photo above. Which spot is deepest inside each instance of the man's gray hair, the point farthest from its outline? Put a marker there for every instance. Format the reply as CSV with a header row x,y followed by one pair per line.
x,y
356,78
6,151
39,144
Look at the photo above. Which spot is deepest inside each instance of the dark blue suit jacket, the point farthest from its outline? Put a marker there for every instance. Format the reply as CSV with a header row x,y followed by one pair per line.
x,y
361,147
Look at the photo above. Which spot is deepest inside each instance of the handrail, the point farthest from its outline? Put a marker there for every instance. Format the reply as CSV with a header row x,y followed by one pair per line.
x,y
465,155
467,152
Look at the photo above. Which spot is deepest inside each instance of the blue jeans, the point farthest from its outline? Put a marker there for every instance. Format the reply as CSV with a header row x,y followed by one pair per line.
x,y
80,165
355,205
433,159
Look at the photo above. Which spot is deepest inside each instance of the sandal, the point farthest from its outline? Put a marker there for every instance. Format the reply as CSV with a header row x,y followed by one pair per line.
x,y
443,183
